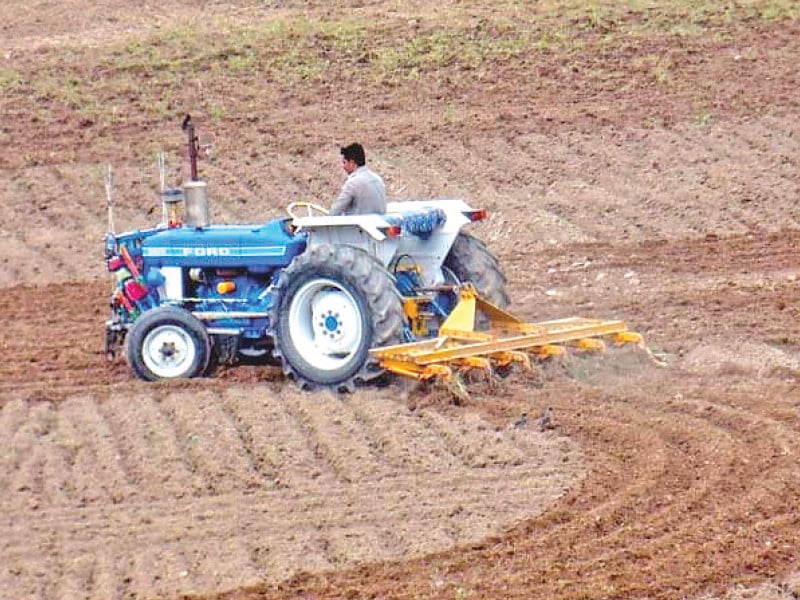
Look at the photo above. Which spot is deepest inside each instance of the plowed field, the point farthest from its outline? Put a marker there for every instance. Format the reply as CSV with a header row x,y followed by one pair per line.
x,y
638,162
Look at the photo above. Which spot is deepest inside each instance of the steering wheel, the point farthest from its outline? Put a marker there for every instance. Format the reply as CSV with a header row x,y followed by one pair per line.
x,y
311,208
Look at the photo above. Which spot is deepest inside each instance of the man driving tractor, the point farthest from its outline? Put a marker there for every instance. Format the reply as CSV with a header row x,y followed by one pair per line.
x,y
363,191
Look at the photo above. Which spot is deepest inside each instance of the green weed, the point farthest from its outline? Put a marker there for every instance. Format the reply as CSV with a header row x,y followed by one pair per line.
x,y
453,114
9,79
216,112
702,118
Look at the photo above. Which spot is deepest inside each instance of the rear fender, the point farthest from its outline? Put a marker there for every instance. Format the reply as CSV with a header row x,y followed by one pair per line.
x,y
368,232
379,236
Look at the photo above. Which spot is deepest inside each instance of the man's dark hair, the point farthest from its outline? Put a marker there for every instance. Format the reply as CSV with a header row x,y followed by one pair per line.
x,y
354,152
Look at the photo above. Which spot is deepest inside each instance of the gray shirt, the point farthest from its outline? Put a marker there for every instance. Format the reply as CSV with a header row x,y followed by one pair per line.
x,y
363,193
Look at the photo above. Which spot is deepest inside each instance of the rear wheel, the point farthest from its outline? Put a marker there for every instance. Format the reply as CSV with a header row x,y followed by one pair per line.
x,y
334,303
470,260
168,343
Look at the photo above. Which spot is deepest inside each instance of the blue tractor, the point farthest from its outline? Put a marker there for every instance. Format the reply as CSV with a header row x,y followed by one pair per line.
x,y
311,291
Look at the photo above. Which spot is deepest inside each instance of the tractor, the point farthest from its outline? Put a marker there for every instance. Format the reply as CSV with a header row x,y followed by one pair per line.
x,y
336,300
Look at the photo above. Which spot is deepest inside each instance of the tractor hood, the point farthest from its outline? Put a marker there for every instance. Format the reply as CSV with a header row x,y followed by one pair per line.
x,y
268,245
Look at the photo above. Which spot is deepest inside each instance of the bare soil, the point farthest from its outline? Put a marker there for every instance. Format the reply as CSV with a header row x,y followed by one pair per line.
x,y
672,206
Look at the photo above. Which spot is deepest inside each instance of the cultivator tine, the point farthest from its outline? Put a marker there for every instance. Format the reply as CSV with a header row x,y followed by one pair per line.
x,y
588,345
456,388
507,341
408,368
512,357
547,351
628,337
475,362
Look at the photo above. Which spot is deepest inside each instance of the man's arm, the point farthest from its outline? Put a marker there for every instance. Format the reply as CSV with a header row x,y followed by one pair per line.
x,y
345,200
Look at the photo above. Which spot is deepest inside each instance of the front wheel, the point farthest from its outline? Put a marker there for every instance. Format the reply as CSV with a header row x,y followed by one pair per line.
x,y
168,343
334,303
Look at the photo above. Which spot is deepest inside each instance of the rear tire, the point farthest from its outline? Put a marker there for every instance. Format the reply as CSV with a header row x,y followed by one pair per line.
x,y
470,260
334,303
168,343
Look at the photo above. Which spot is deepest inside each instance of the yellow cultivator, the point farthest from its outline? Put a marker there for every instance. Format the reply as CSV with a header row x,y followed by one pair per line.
x,y
507,341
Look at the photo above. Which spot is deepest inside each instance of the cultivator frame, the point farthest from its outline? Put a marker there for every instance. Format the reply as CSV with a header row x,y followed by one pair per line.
x,y
508,341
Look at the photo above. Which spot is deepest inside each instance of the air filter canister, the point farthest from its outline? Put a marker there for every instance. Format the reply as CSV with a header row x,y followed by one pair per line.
x,y
196,198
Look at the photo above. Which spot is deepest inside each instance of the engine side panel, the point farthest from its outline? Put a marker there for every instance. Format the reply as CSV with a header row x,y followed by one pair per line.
x,y
261,247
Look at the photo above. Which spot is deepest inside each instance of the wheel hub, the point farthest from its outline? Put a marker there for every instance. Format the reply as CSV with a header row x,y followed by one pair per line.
x,y
336,322
168,351
331,323
325,324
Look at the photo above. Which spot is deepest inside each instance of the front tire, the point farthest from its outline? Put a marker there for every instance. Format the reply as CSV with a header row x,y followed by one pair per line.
x,y
168,343
334,303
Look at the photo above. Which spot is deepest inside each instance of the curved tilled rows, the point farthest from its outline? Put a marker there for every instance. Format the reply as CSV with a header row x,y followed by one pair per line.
x,y
206,489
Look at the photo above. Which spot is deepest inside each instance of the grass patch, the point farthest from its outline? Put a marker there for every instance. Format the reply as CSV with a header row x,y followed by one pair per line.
x,y
9,79
457,48
298,49
168,67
